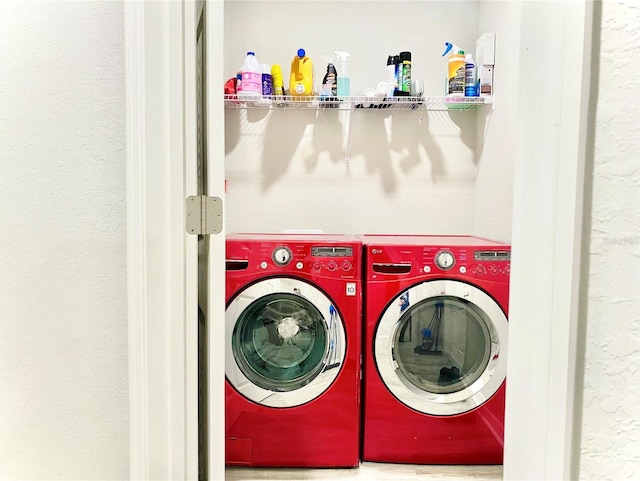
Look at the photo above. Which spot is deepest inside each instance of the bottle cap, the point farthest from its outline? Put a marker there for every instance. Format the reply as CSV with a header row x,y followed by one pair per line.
x,y
405,56
301,52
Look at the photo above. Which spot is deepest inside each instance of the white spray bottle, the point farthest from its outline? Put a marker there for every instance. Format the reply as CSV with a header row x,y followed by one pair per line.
x,y
344,81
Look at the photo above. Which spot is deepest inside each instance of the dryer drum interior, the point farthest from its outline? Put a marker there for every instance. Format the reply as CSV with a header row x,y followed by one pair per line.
x,y
440,347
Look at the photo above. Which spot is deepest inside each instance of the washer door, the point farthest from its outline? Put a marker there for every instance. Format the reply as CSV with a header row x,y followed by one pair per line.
x,y
441,347
285,342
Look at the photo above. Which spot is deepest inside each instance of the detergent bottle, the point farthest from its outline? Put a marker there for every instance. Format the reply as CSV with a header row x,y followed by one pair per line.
x,y
249,85
456,70
301,78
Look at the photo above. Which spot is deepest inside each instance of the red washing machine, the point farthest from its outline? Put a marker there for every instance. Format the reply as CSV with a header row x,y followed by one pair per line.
x,y
293,344
435,349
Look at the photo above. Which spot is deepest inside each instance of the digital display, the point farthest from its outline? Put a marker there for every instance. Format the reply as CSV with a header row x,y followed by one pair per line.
x,y
332,251
492,255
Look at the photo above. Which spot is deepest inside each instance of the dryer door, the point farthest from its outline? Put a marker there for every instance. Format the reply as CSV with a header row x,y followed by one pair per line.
x,y
285,342
441,346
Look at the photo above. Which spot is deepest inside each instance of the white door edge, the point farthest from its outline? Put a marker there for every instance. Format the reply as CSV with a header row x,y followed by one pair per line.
x,y
162,286
541,436
136,240
216,268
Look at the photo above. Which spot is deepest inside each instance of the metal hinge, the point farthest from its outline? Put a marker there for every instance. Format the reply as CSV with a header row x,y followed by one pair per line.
x,y
204,215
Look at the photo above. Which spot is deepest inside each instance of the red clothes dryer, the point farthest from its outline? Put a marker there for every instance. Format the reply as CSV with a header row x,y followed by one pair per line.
x,y
293,347
435,349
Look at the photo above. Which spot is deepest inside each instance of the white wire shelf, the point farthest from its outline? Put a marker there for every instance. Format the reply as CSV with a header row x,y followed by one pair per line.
x,y
347,103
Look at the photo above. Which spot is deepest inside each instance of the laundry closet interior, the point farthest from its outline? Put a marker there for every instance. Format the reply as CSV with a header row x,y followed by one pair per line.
x,y
396,171
428,170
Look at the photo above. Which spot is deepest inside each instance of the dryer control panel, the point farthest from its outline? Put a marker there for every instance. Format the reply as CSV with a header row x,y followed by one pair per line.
x,y
490,261
468,261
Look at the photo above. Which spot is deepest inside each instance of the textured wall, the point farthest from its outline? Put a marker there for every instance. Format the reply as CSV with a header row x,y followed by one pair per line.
x,y
611,413
63,317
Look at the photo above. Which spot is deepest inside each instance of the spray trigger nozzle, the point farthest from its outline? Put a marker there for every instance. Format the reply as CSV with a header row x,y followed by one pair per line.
x,y
451,46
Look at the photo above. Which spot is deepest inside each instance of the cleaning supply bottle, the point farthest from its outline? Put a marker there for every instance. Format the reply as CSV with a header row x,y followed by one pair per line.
x,y
344,81
398,69
391,75
267,81
405,63
301,78
456,70
277,87
329,83
249,86
470,83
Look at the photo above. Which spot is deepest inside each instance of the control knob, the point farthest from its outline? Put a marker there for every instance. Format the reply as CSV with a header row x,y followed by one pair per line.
x,y
445,260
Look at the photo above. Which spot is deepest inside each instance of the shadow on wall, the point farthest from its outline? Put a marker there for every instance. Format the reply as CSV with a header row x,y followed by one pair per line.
x,y
283,135
390,142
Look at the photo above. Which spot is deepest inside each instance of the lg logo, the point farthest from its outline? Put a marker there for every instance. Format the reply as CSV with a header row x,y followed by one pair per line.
x,y
376,251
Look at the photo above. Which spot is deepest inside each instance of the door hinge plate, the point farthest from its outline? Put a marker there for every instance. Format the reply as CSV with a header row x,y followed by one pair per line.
x,y
204,215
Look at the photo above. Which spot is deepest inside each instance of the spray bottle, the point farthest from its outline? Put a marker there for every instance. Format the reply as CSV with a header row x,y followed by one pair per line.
x,y
456,71
344,81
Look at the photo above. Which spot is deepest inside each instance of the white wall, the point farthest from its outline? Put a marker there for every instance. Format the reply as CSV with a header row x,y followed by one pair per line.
x,y
496,132
409,171
63,317
611,412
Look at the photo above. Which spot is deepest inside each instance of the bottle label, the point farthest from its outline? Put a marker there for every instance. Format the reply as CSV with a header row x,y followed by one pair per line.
x,y
406,77
456,78
470,80
267,84
251,82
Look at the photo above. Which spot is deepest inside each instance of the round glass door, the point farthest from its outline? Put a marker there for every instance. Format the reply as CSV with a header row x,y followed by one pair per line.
x,y
441,347
285,342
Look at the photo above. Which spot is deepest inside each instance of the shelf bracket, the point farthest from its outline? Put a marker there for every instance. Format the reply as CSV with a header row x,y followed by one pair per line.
x,y
347,138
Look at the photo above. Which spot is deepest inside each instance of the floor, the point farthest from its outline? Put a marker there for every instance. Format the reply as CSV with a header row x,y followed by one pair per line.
x,y
370,472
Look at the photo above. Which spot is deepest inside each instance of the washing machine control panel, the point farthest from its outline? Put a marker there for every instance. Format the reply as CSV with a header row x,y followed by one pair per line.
x,y
337,261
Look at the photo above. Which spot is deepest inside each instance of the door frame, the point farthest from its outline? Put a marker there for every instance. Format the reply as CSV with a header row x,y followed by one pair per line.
x,y
548,294
162,271
541,443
